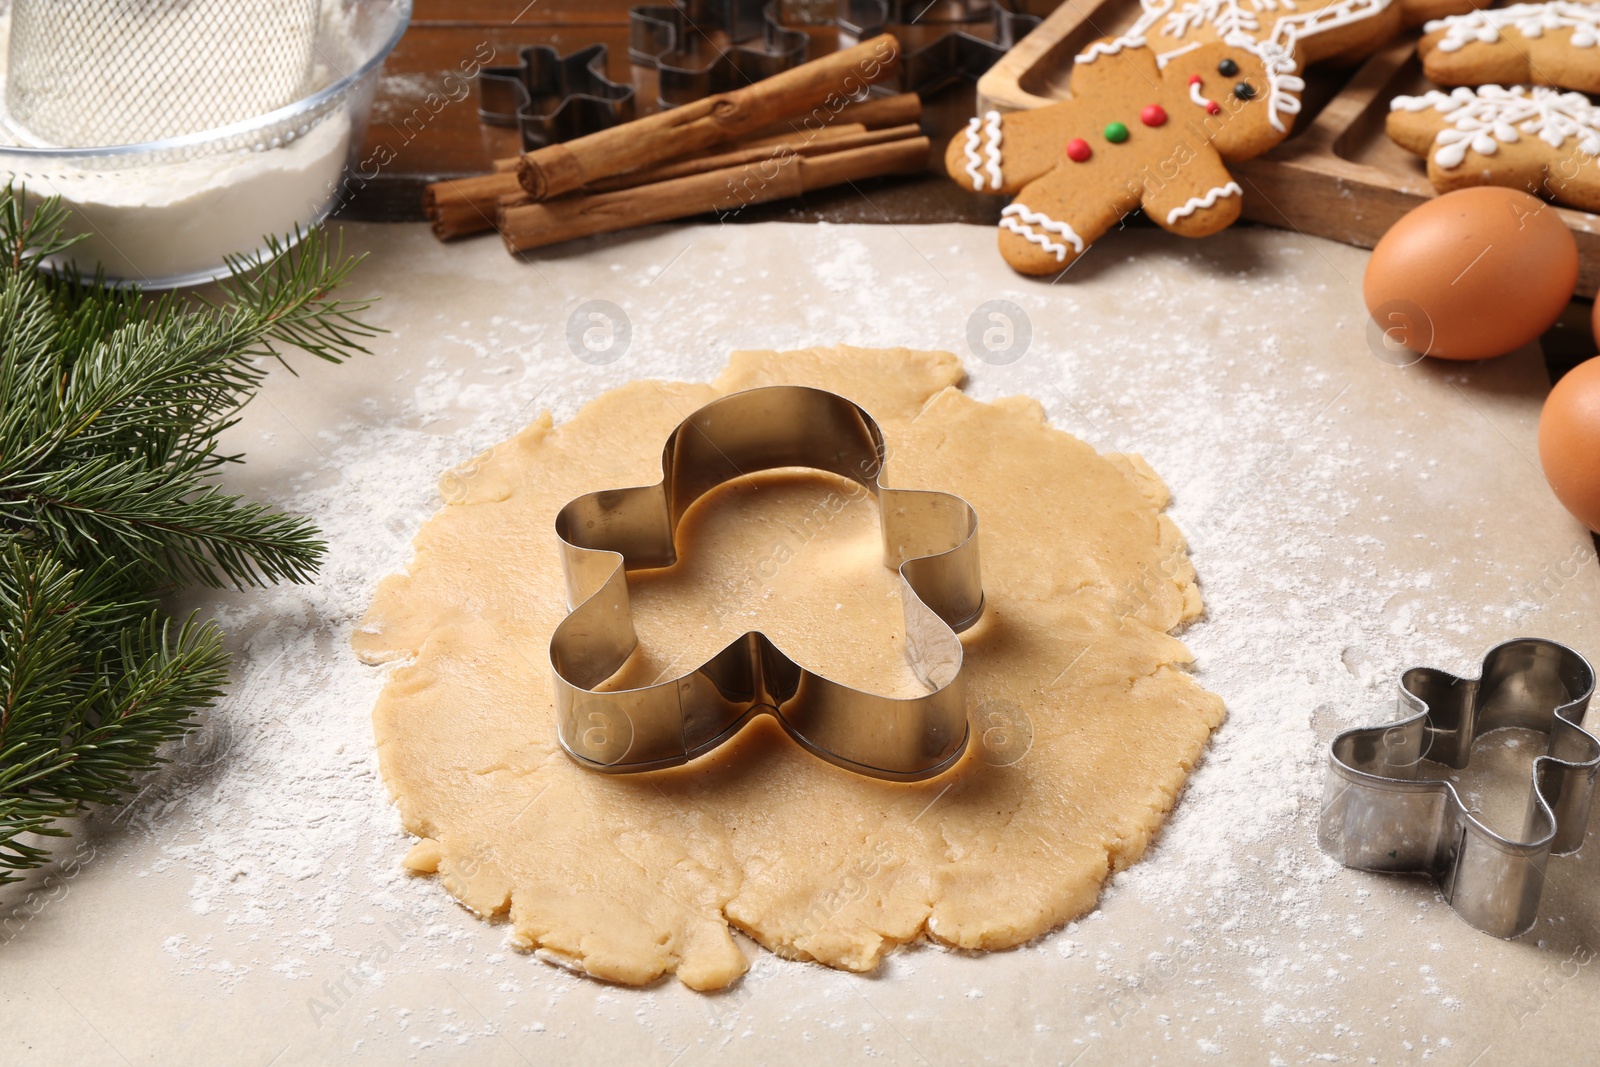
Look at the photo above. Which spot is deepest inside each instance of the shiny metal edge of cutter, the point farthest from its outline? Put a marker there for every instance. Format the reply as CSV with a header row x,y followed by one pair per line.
x,y
930,537
1380,814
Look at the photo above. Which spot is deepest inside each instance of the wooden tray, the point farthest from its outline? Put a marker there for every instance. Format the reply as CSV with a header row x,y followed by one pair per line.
x,y
1338,175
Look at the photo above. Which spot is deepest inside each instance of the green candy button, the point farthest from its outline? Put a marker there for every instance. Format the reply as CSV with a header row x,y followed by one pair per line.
x,y
1116,133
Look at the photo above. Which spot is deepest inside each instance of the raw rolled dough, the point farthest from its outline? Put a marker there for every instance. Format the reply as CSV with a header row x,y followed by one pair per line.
x,y
1084,725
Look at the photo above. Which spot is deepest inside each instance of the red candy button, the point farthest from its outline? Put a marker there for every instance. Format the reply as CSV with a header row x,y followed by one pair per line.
x,y
1078,150
1153,115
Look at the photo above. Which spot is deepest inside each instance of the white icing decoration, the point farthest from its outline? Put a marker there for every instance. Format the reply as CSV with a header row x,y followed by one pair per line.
x,y
1030,219
1167,57
1196,203
990,124
1199,98
1108,48
992,128
1530,20
1488,117
974,161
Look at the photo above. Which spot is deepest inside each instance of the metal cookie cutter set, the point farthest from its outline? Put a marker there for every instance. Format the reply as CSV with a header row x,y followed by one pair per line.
x,y
674,39
554,98
930,537
1380,813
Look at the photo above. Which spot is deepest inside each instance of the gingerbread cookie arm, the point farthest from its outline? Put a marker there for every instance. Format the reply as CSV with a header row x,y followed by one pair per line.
x,y
1054,220
1476,64
1414,130
1203,199
1001,153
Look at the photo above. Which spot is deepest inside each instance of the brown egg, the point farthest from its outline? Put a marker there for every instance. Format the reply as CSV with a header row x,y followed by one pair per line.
x,y
1472,274
1569,441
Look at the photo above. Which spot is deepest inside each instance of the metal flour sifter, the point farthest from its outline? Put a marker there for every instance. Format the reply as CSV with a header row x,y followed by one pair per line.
x,y
88,73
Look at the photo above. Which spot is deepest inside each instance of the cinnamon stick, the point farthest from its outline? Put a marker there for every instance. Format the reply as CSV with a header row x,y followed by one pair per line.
x,y
561,168
458,207
461,206
550,222
836,141
767,140
875,113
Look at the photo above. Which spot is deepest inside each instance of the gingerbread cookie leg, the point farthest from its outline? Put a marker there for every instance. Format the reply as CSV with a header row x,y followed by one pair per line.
x,y
1055,219
1201,200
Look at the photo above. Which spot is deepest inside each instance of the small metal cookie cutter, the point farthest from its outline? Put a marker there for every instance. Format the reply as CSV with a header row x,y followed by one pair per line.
x,y
550,97
931,537
953,55
1380,814
674,39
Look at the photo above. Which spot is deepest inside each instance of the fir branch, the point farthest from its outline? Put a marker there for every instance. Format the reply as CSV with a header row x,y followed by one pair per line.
x,y
79,721
179,524
111,403
283,293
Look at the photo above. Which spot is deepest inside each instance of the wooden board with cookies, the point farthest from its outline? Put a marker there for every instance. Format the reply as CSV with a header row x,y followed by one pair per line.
x,y
1401,101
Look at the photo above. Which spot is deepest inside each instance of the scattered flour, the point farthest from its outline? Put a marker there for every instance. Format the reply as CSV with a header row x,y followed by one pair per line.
x,y
279,825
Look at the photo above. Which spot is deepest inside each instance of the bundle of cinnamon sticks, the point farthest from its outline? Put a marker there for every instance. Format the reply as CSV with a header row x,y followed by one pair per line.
x,y
803,129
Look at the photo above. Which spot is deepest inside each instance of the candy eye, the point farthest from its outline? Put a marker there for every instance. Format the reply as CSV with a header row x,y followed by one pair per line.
x,y
1244,91
1227,68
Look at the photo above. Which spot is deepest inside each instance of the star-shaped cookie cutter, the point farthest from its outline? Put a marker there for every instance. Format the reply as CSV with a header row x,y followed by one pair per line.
x,y
1380,814
551,97
930,537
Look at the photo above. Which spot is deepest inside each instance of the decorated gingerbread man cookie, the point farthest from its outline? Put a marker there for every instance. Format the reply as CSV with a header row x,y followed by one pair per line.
x,y
1554,43
1534,138
1153,118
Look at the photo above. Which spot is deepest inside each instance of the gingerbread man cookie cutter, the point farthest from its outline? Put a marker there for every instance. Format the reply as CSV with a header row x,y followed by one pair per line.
x,y
930,537
673,39
1380,813
550,97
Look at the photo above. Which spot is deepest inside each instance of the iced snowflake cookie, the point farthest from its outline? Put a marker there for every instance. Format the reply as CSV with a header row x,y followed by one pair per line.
x,y
1542,44
1534,138
1153,119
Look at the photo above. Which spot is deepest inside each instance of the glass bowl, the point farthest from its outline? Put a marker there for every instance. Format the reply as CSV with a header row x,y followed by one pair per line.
x,y
163,214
